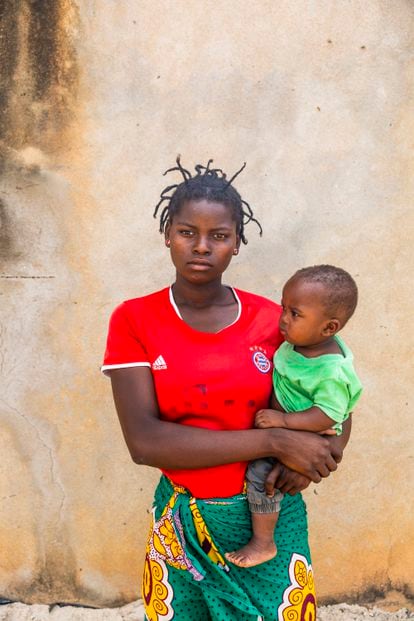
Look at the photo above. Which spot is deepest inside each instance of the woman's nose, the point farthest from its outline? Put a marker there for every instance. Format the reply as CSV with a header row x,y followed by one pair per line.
x,y
202,245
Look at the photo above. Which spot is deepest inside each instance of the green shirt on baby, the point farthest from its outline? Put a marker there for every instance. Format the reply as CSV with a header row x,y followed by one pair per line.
x,y
328,382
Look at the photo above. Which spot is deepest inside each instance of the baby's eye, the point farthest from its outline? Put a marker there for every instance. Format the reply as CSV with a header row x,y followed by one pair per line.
x,y
295,313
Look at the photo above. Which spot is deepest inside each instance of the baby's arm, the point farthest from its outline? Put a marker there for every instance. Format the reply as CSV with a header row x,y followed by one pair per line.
x,y
313,419
331,394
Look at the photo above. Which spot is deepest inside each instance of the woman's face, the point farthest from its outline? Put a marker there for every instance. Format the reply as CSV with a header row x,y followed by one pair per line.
x,y
202,238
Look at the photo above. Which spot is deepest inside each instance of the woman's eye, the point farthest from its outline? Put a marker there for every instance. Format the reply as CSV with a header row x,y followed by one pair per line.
x,y
186,232
219,236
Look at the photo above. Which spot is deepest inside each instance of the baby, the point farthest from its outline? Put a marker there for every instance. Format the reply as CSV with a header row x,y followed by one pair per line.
x,y
315,385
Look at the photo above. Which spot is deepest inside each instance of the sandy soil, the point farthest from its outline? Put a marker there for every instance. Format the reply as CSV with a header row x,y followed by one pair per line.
x,y
134,612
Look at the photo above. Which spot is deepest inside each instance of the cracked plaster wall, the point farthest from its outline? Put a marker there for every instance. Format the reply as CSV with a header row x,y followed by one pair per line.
x,y
96,100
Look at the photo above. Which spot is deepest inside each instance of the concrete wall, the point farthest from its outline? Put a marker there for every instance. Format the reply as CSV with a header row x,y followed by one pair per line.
x,y
98,98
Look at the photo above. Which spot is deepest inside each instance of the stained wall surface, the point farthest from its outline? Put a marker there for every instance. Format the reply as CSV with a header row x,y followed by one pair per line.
x,y
97,98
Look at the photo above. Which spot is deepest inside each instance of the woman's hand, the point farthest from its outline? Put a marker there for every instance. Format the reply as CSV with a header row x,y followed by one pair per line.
x,y
305,452
291,480
285,480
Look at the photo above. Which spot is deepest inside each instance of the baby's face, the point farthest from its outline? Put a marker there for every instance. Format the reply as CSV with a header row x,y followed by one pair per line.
x,y
304,318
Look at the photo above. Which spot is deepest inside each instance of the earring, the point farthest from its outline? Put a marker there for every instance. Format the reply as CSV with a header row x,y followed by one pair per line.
x,y
236,251
167,243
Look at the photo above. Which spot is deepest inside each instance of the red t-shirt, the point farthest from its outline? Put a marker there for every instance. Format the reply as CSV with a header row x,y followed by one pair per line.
x,y
214,381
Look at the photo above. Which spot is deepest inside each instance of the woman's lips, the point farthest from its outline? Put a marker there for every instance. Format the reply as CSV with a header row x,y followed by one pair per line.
x,y
200,265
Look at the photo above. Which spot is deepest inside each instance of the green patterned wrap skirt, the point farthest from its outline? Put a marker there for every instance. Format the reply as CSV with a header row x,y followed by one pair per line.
x,y
187,578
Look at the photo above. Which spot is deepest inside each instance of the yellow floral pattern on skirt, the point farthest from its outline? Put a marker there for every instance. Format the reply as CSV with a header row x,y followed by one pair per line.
x,y
299,602
164,548
156,591
206,542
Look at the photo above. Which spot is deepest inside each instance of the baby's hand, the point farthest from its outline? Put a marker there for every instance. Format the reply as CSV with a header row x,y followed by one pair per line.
x,y
266,419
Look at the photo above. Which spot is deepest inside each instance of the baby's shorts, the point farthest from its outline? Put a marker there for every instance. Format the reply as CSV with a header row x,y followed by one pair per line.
x,y
256,474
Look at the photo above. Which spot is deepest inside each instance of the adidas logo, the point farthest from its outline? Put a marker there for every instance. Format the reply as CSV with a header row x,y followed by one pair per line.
x,y
159,363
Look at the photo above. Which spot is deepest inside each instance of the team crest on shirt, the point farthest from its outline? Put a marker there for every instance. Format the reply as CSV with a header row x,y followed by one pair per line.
x,y
261,361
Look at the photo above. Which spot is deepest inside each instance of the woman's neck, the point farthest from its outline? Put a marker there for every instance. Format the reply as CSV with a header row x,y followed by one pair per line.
x,y
199,296
206,308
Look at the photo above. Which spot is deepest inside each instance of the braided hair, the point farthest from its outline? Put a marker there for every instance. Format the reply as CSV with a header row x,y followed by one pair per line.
x,y
210,184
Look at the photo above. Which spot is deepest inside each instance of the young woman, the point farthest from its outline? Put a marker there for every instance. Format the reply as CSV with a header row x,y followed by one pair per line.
x,y
190,367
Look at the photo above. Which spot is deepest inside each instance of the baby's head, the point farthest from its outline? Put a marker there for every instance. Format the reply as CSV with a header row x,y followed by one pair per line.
x,y
317,302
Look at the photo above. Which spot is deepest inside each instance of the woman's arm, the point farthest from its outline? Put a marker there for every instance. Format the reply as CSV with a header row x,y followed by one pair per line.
x,y
169,445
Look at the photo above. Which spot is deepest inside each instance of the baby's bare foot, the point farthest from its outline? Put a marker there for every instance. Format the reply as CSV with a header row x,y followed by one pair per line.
x,y
252,554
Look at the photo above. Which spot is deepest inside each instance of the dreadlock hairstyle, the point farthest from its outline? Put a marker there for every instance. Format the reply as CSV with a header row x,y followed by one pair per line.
x,y
341,293
210,184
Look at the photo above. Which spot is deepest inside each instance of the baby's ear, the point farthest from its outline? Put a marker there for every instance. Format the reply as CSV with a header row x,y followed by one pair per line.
x,y
332,327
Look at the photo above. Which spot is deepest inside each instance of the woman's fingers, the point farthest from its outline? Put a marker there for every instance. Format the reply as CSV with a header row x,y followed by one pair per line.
x,y
307,453
274,479
285,480
327,467
278,478
314,476
331,463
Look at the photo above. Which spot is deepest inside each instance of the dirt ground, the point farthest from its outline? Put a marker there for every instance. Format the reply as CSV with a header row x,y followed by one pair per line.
x,y
392,608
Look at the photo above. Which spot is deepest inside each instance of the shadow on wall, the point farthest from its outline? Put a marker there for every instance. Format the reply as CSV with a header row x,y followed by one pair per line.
x,y
7,246
38,77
